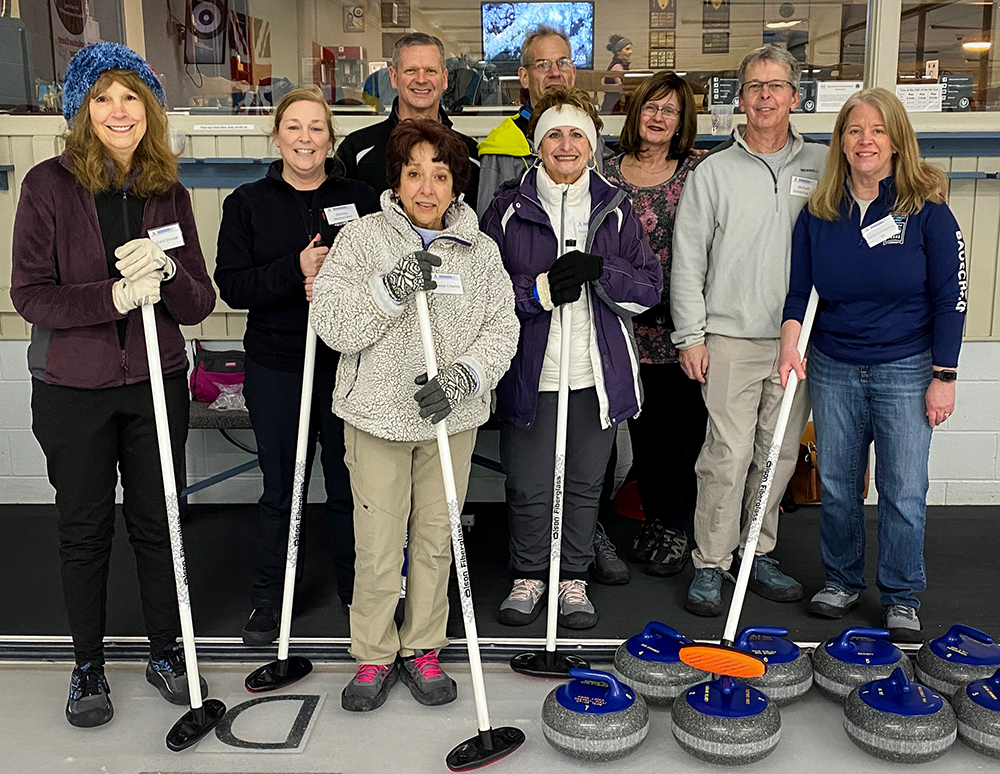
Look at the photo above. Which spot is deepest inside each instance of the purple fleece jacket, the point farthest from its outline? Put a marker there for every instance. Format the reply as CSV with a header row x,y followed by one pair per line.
x,y
60,284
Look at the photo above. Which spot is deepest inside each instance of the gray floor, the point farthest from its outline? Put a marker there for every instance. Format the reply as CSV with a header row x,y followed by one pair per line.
x,y
401,737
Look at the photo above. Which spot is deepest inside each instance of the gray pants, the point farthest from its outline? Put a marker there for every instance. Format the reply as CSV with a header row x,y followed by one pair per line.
x,y
528,457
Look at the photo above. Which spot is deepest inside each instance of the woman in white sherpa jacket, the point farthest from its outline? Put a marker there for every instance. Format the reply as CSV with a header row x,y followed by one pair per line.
x,y
424,238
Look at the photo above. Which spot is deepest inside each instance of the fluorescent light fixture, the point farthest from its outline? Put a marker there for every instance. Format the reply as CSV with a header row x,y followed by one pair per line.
x,y
977,45
782,25
680,74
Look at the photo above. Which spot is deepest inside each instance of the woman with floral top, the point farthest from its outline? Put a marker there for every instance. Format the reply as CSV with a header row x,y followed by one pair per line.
x,y
657,140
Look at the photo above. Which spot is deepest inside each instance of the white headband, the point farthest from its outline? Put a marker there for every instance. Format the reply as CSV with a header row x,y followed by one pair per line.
x,y
566,115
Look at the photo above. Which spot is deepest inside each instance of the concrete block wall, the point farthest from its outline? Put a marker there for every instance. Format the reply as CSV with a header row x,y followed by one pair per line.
x,y
964,463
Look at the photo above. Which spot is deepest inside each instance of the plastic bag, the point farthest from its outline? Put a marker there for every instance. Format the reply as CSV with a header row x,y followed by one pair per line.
x,y
230,398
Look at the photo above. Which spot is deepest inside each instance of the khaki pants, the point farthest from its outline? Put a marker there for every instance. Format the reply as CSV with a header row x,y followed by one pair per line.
x,y
742,394
397,487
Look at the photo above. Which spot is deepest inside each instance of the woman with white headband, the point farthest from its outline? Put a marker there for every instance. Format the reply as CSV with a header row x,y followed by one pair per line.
x,y
567,237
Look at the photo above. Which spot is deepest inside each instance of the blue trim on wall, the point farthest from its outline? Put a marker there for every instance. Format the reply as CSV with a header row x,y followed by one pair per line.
x,y
932,144
4,182
221,172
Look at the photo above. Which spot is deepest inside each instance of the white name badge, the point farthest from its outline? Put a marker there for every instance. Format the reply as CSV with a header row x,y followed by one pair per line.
x,y
448,284
878,232
167,237
803,186
341,214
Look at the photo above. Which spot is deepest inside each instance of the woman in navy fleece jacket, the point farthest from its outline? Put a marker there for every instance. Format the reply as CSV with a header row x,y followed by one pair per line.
x,y
888,261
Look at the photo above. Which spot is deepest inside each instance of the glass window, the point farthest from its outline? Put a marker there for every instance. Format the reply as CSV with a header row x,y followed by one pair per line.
x,y
947,56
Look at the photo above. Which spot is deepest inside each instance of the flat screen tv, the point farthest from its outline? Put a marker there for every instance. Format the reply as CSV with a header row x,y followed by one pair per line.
x,y
505,24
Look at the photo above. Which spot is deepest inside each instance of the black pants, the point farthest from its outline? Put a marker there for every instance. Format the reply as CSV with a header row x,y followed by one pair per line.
x,y
87,437
666,440
272,398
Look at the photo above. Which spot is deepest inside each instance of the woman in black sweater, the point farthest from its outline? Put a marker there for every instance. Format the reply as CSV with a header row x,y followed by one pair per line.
x,y
274,236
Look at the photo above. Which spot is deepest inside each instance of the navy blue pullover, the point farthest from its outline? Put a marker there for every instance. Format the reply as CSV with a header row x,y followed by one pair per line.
x,y
883,303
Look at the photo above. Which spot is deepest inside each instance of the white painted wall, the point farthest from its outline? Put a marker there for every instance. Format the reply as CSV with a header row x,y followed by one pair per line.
x,y
964,465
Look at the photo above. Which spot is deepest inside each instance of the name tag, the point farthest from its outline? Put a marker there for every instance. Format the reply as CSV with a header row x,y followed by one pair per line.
x,y
341,214
878,232
803,186
167,237
448,284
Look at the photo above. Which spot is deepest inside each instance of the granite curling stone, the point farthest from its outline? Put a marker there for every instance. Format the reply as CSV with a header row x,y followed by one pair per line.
x,y
854,657
950,662
789,672
726,722
594,717
649,662
978,709
900,721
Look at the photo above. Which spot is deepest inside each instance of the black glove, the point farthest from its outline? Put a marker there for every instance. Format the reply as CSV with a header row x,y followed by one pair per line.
x,y
436,397
568,274
412,273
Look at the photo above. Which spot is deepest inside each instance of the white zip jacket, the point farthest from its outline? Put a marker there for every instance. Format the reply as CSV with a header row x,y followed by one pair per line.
x,y
733,240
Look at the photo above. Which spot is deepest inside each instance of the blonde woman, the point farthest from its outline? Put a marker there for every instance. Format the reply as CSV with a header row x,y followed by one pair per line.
x,y
888,261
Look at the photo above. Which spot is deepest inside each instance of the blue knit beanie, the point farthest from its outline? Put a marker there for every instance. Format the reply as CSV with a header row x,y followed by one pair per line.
x,y
90,61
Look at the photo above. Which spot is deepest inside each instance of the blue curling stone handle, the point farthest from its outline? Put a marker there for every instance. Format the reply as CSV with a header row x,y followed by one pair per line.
x,y
962,644
724,697
896,695
657,643
986,693
594,693
768,643
865,646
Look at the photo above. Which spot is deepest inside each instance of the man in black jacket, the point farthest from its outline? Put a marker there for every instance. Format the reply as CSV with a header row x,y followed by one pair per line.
x,y
419,75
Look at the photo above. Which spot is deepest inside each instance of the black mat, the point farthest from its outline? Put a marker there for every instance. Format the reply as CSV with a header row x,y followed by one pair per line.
x,y
962,578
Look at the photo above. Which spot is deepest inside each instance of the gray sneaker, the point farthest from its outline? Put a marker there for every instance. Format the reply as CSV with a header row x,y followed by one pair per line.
x,y
903,624
833,602
771,583
524,602
575,609
704,595
428,683
370,687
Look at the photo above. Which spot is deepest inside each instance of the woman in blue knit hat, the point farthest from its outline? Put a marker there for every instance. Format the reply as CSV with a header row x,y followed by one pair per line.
x,y
101,230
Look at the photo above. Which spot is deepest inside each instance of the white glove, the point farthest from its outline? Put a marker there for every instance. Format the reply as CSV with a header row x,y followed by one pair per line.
x,y
142,256
131,294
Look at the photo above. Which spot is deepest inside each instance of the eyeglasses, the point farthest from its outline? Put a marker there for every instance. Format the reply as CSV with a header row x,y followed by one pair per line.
x,y
544,65
650,110
777,88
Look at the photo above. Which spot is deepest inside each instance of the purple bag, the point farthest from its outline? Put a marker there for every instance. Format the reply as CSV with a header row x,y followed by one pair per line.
x,y
212,368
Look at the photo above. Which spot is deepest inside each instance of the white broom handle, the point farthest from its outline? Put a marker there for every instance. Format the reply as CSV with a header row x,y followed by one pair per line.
x,y
559,478
170,495
298,492
455,518
767,476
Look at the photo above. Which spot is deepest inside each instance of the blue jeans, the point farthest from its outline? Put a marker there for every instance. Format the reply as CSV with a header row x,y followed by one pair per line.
x,y
852,406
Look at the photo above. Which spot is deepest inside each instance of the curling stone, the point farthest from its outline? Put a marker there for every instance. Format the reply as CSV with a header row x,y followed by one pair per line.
x,y
594,717
650,664
952,661
978,709
726,722
854,657
896,720
789,671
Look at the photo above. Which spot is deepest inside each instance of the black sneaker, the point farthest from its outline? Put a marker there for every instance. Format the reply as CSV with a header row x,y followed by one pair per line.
x,y
671,554
645,542
89,701
607,568
168,673
262,626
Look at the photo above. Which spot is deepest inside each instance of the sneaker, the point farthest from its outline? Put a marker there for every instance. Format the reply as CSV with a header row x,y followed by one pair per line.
x,y
89,701
771,583
607,568
645,542
903,624
524,602
575,609
670,555
704,595
168,673
833,602
262,626
370,687
426,680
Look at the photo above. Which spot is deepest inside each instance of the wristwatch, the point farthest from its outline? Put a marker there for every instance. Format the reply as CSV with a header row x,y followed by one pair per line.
x,y
947,375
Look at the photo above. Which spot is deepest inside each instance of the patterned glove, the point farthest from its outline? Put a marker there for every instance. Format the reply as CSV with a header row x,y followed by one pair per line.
x,y
436,397
142,256
569,272
412,273
131,294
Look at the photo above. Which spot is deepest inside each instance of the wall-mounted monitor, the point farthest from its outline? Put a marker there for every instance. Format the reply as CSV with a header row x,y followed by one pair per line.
x,y
505,24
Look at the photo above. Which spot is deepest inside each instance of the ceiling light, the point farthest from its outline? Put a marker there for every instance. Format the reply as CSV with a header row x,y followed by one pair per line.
x,y
977,45
782,25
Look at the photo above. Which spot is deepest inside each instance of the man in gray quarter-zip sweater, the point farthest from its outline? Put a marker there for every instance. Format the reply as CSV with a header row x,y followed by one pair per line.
x,y
732,250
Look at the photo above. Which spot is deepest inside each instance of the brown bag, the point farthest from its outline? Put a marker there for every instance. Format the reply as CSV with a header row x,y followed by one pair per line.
x,y
804,484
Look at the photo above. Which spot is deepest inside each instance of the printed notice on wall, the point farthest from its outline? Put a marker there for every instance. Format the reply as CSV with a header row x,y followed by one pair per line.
x,y
920,97
831,95
223,127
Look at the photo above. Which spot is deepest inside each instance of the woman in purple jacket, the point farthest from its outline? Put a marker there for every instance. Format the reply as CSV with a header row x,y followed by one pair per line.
x,y
567,236
101,230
